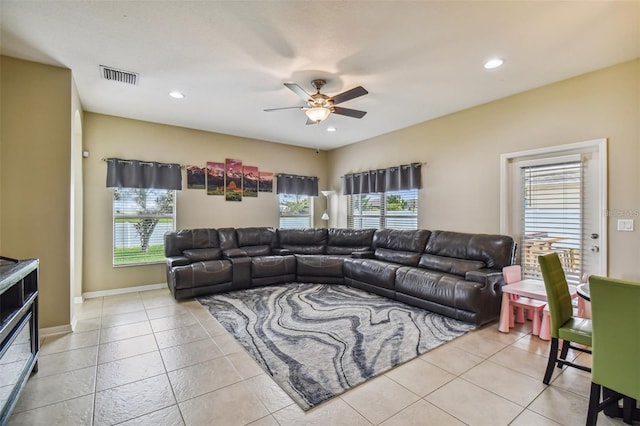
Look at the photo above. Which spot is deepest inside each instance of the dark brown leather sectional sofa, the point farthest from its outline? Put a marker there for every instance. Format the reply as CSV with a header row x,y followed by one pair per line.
x,y
451,273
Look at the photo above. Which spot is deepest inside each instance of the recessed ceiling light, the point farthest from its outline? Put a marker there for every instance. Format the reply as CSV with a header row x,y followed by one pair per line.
x,y
493,63
331,129
176,95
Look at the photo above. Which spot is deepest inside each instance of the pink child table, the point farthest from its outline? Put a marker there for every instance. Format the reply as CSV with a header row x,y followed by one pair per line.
x,y
533,289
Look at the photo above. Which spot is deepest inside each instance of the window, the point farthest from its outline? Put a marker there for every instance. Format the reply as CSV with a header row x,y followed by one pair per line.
x,y
140,219
295,211
391,209
552,217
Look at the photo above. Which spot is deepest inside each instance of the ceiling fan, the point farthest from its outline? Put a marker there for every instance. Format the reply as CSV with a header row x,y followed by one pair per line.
x,y
320,106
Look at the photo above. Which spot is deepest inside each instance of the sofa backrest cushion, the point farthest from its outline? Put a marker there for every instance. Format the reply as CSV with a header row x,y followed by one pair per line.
x,y
303,241
401,240
256,237
400,246
176,242
450,265
228,238
496,251
347,241
256,241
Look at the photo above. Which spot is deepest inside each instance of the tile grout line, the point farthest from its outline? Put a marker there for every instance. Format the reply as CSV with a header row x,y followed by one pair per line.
x,y
166,373
95,381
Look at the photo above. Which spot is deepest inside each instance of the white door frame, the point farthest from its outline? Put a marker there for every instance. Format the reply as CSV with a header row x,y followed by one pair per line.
x,y
600,146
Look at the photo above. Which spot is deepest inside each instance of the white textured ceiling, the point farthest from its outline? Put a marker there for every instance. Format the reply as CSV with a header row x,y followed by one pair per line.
x,y
418,60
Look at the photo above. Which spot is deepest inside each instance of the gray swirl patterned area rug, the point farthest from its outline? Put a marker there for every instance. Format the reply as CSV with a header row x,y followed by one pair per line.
x,y
317,341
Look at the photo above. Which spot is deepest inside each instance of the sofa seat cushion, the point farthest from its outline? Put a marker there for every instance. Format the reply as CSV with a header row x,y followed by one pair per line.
x,y
347,250
253,251
449,264
270,266
204,254
439,287
371,271
319,265
206,273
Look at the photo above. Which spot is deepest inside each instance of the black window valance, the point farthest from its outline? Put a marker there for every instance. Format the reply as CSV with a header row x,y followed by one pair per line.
x,y
382,180
143,174
298,185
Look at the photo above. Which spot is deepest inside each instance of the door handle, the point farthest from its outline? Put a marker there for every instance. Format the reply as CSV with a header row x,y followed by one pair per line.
x,y
595,249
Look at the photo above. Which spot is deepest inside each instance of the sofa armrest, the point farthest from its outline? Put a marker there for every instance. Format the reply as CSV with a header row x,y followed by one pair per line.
x,y
490,296
233,253
362,255
281,252
174,261
241,271
490,277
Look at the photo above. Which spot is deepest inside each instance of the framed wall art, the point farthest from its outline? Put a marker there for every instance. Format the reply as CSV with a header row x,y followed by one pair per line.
x,y
196,177
215,178
249,181
233,180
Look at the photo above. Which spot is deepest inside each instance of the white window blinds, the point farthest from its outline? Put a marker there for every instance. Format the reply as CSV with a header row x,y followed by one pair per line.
x,y
391,209
140,219
552,217
295,211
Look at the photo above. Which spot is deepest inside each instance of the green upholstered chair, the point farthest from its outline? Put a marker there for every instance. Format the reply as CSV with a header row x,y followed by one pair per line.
x,y
615,312
563,324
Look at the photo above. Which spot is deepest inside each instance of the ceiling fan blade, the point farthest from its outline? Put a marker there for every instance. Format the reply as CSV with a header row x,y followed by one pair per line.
x,y
298,91
349,112
278,109
349,94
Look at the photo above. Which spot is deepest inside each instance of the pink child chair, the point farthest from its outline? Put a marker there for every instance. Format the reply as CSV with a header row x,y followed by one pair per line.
x,y
521,304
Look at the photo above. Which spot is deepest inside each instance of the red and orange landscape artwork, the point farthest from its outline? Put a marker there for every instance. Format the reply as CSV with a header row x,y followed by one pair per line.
x,y
234,180
215,178
250,181
266,182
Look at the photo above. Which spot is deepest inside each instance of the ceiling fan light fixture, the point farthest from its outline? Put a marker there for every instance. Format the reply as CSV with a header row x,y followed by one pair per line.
x,y
317,114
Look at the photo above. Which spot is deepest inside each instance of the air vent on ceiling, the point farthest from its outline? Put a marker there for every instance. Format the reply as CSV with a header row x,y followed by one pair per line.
x,y
114,74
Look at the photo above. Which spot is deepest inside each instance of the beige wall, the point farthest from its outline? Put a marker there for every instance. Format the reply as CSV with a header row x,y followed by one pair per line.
x,y
461,186
35,160
107,136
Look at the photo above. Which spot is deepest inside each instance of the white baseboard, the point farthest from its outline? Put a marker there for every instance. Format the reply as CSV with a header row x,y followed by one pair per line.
x,y
117,291
60,329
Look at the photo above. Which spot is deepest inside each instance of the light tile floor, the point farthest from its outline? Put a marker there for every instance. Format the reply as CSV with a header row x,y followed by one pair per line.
x,y
145,359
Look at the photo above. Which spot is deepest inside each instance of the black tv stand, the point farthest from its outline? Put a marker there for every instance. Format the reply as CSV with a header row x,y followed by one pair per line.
x,y
19,343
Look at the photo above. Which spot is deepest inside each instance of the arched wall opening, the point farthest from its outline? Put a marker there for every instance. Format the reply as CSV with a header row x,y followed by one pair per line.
x,y
76,212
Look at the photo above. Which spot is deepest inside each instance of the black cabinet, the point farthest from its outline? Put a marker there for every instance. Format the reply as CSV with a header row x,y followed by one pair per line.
x,y
19,344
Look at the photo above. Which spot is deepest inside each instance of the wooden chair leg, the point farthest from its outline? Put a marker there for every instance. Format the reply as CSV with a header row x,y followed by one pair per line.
x,y
564,352
594,401
628,406
553,358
